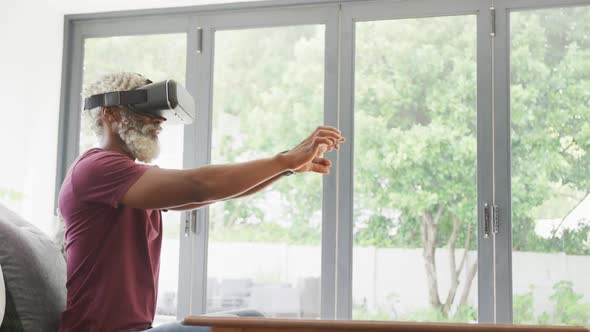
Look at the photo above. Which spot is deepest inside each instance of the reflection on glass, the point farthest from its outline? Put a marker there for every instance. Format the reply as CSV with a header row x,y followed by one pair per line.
x,y
264,250
550,142
415,190
156,57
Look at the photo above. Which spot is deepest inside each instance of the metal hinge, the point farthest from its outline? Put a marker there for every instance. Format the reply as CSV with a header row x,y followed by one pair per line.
x,y
187,223
496,219
195,225
493,21
190,223
486,220
199,40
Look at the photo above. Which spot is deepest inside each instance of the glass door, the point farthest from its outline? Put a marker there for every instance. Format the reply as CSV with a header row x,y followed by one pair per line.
x,y
422,136
268,93
156,57
548,141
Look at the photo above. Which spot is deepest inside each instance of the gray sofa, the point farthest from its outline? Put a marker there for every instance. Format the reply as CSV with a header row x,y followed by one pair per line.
x,y
2,296
34,272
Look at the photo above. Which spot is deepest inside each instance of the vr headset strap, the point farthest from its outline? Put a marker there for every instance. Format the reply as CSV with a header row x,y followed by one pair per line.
x,y
116,98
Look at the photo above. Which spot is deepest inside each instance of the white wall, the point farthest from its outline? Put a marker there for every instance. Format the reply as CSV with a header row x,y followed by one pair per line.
x,y
31,33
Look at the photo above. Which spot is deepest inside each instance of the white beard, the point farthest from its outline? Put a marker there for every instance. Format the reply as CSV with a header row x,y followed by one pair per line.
x,y
138,137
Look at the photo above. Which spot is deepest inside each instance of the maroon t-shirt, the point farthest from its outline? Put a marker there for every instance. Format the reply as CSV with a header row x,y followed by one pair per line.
x,y
113,251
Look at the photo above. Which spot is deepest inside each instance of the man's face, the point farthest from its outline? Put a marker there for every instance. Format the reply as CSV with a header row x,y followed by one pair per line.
x,y
140,134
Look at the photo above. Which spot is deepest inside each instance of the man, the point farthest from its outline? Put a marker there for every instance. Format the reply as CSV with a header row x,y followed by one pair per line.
x,y
112,205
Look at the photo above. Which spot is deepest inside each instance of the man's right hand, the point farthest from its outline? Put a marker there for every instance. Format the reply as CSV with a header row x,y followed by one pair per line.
x,y
308,155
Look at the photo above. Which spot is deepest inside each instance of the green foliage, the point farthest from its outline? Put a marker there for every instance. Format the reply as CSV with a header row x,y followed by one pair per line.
x,y
11,195
362,313
415,146
161,56
415,123
567,307
415,120
569,310
464,314
522,308
549,115
571,242
299,234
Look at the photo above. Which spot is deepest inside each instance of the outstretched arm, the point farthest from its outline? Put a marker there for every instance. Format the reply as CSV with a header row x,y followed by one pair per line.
x,y
161,188
319,164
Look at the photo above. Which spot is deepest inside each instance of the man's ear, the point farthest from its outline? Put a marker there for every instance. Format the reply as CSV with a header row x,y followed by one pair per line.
x,y
110,114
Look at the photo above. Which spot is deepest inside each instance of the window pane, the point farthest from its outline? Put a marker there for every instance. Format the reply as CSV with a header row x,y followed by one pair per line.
x,y
264,250
415,190
156,57
550,137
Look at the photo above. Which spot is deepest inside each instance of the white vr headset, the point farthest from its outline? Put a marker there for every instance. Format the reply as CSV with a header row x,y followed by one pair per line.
x,y
166,99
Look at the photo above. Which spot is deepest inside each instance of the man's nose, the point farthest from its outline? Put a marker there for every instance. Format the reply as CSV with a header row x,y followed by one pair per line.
x,y
158,119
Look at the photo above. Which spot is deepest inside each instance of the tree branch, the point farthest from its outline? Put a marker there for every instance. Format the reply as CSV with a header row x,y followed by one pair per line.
x,y
453,268
569,146
454,233
468,281
466,250
428,253
423,227
566,215
428,218
438,214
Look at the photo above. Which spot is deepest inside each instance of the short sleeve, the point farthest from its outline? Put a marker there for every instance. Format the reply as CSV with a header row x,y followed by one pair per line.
x,y
105,177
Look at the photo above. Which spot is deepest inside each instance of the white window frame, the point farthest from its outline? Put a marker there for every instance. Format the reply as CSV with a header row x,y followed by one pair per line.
x,y
502,143
391,10
326,15
339,16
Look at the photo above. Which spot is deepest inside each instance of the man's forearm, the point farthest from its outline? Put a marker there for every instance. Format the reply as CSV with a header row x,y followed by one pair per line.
x,y
247,193
260,186
219,182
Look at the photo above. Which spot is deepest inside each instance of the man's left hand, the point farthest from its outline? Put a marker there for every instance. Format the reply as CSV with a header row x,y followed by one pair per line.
x,y
319,164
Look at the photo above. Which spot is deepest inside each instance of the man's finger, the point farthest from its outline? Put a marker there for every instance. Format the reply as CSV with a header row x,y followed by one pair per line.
x,y
330,128
319,152
317,168
318,141
322,161
327,133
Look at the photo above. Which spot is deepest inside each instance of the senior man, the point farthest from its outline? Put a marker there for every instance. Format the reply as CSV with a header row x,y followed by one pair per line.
x,y
111,206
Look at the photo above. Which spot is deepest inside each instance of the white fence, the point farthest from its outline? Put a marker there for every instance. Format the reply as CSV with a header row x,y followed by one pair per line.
x,y
387,278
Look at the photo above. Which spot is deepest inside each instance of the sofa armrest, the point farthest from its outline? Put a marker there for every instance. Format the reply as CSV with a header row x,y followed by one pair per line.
x,y
2,296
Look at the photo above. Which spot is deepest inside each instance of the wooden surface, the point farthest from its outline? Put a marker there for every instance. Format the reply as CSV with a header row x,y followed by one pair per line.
x,y
257,324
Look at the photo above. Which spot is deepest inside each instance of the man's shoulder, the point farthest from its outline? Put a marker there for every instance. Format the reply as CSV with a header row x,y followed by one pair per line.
x,y
96,157
98,163
95,153
102,176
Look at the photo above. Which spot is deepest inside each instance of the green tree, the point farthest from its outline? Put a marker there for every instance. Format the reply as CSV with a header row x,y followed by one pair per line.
x,y
415,136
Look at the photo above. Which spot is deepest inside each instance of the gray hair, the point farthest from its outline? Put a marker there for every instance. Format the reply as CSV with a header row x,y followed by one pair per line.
x,y
108,83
